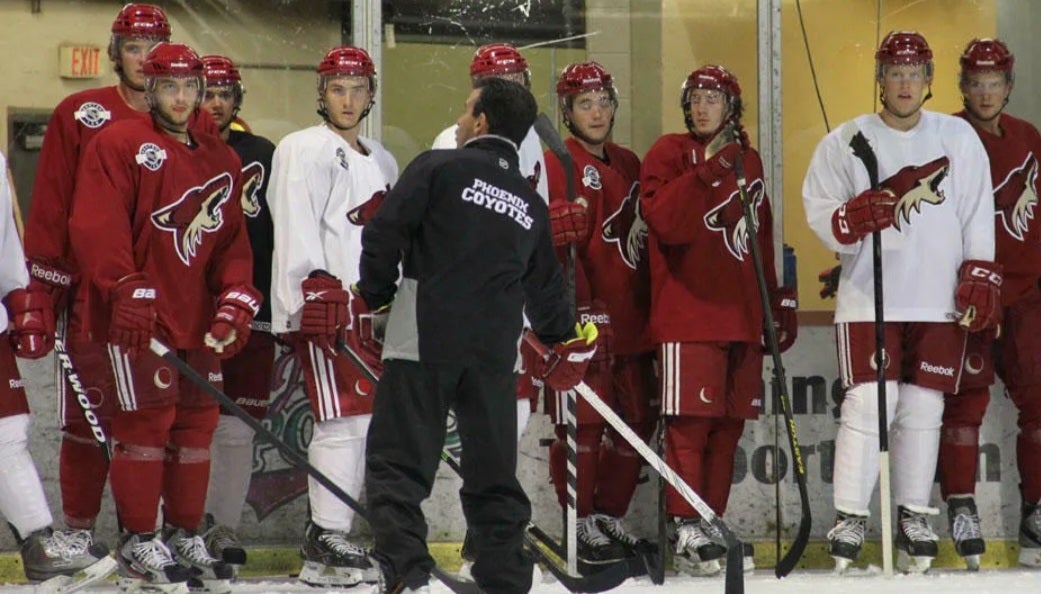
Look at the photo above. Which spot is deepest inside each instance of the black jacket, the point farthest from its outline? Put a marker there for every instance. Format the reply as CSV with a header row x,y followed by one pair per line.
x,y
474,243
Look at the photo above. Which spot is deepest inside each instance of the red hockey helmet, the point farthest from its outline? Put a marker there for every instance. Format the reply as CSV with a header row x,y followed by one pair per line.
x,y
987,55
220,71
347,60
173,59
141,20
499,59
713,77
582,77
903,47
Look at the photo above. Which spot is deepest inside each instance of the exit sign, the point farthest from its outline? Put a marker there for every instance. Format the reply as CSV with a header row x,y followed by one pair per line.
x,y
80,61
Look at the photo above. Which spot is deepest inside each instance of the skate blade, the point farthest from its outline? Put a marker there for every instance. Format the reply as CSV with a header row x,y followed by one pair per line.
x,y
317,574
129,585
696,568
913,565
972,562
84,578
1030,557
209,586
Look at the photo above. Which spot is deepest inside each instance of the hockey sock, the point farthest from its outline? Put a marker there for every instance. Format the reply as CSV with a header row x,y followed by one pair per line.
x,y
1028,442
719,461
22,500
959,440
914,443
82,471
589,437
186,470
136,472
231,465
615,486
856,446
337,450
685,442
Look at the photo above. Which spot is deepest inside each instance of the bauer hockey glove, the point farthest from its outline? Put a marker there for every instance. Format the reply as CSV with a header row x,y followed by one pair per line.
x,y
865,213
783,305
565,365
829,280
363,213
232,323
133,314
977,300
32,323
52,277
568,221
325,309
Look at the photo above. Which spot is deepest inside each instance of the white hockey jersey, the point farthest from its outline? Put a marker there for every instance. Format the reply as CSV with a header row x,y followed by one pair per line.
x,y
940,174
13,274
316,177
532,162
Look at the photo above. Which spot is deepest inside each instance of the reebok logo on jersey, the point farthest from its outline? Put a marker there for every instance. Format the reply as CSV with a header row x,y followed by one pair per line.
x,y
252,181
735,235
937,369
151,156
196,213
16,384
214,377
1016,196
498,201
50,276
92,115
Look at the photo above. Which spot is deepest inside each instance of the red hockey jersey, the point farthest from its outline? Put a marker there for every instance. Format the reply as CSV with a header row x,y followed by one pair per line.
x,y
703,281
145,202
1014,174
613,258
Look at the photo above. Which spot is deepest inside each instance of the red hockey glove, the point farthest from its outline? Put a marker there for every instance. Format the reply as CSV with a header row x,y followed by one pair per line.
x,y
719,164
566,364
363,213
52,278
569,221
365,331
596,312
325,309
829,280
32,323
133,314
783,304
977,300
865,213
231,325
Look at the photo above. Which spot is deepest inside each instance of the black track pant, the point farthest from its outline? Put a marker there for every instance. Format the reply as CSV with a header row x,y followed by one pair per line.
x,y
403,451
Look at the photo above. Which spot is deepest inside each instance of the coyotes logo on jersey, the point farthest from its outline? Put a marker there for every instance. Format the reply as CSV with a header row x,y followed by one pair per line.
x,y
914,185
198,211
626,229
735,235
252,181
1016,196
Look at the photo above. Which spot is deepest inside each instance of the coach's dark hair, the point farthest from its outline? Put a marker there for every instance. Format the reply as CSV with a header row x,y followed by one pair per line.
x,y
509,108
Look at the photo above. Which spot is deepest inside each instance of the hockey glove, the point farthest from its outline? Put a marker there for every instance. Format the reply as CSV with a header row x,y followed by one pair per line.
x,y
365,331
32,323
363,213
829,280
865,213
568,221
232,323
325,309
783,305
565,365
596,312
719,164
52,278
133,314
977,300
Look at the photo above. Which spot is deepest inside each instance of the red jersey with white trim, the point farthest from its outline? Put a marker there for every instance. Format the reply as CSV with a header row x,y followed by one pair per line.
x,y
75,121
1014,174
146,202
703,281
613,257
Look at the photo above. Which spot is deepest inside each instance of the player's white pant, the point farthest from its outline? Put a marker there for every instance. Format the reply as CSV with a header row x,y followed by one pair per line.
x,y
337,450
22,501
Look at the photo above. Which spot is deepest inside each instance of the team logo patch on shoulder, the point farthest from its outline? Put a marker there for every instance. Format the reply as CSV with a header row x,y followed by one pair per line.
x,y
504,163
591,178
92,114
252,181
197,212
341,157
151,156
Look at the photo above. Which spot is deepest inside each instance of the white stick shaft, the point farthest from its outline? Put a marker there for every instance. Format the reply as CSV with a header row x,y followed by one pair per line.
x,y
885,498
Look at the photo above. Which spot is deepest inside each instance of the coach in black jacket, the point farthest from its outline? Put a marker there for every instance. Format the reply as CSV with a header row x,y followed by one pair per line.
x,y
473,241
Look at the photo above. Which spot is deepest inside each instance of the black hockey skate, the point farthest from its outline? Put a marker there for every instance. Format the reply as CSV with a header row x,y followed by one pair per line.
x,y
62,561
595,549
916,543
146,565
222,542
964,523
207,574
697,552
331,559
1030,535
845,539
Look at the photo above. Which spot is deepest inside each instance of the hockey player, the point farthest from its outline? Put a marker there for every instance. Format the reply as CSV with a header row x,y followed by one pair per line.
x,y
83,466
606,227
710,334
158,229
45,553
473,242
933,207
325,181
1013,147
247,375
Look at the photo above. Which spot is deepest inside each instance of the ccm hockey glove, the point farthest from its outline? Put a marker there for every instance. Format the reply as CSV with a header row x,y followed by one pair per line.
x,y
230,329
566,363
325,309
133,314
865,213
32,323
568,221
783,305
977,300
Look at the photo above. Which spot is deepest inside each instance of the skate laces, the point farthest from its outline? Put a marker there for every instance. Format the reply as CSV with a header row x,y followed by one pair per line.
x,y
916,527
58,544
589,532
965,526
193,550
152,553
849,530
614,528
79,541
712,532
690,536
337,541
221,537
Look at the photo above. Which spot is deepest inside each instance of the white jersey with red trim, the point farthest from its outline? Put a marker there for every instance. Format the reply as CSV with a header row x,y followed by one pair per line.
x,y
940,174
532,163
316,177
13,274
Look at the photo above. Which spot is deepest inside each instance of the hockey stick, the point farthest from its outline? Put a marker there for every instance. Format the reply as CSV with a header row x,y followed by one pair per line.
x,y
61,354
802,537
547,132
861,148
454,584
663,516
606,579
735,581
